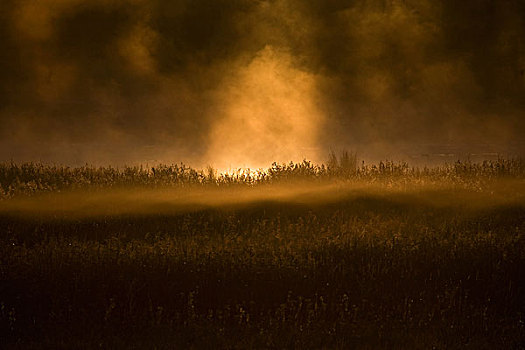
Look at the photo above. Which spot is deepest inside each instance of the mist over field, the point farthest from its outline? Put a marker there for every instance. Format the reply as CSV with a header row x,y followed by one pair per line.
x,y
246,83
251,174
83,204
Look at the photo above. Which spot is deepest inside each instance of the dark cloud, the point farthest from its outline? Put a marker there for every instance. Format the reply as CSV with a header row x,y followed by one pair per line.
x,y
138,80
198,32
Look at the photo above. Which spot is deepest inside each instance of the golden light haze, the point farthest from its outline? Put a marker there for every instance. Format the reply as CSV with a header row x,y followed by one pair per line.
x,y
130,200
268,113
241,83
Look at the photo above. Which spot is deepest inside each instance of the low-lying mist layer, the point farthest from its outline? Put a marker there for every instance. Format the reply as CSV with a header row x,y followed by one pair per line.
x,y
133,201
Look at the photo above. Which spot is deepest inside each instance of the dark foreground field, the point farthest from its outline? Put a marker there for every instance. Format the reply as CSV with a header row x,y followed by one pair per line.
x,y
370,260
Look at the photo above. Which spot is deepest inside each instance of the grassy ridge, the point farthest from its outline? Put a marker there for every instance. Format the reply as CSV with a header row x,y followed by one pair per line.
x,y
393,265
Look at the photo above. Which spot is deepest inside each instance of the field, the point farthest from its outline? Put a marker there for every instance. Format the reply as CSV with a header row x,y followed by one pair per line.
x,y
339,256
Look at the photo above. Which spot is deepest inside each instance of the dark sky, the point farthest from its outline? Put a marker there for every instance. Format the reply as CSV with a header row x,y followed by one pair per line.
x,y
238,82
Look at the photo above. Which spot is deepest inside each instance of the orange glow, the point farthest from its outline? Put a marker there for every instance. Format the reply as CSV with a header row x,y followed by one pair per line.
x,y
269,113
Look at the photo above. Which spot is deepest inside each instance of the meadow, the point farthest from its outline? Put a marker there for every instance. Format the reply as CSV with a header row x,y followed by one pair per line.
x,y
344,255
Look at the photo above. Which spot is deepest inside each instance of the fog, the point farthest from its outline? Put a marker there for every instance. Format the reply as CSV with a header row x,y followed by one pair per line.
x,y
238,83
78,204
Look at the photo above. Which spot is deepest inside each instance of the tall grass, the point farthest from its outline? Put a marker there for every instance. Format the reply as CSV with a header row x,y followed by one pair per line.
x,y
32,178
421,267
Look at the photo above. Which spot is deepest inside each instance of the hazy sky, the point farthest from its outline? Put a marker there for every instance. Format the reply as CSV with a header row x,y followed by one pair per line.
x,y
245,82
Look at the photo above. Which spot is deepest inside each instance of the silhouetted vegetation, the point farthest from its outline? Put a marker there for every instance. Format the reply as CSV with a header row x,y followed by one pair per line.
x,y
436,263
33,178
